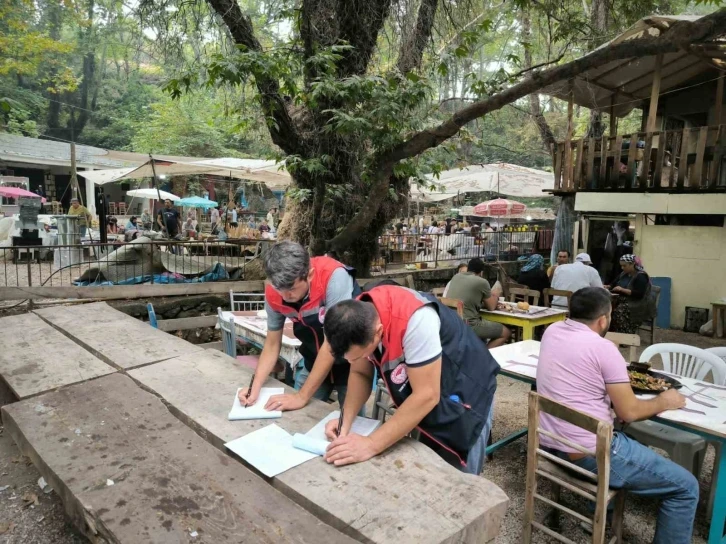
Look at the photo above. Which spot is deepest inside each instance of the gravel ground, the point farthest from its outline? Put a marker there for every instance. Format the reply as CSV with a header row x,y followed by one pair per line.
x,y
45,523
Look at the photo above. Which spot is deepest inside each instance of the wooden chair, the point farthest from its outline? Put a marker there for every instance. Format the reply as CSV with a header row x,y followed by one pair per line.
x,y
246,302
121,207
594,487
622,339
438,292
649,324
517,294
551,293
112,208
454,304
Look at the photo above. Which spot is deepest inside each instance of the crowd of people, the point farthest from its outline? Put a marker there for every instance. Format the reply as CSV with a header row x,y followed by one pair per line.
x,y
442,378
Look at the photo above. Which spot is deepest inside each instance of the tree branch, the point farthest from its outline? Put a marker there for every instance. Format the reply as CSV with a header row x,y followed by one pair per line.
x,y
680,36
284,131
412,49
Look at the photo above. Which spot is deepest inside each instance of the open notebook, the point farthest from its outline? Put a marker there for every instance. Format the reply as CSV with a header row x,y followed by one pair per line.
x,y
257,410
314,441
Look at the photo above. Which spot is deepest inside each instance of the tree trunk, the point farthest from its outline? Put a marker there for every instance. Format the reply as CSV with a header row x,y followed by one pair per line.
x,y
545,132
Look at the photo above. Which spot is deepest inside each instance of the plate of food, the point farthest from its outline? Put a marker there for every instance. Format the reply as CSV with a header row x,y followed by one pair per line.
x,y
651,381
519,308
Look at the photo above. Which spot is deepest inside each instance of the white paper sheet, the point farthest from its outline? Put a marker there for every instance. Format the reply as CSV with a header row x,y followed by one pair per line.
x,y
269,450
257,410
309,444
363,426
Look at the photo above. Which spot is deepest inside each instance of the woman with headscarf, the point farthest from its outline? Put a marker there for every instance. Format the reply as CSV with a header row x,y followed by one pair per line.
x,y
533,274
633,305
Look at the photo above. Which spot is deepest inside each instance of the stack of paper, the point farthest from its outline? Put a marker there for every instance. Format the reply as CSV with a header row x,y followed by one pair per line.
x,y
257,410
272,450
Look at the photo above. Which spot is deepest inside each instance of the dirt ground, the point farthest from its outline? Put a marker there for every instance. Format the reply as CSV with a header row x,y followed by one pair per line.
x,y
45,523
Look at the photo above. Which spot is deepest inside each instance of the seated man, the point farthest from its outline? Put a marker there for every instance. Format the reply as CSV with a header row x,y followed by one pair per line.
x,y
573,277
459,269
439,375
579,368
474,291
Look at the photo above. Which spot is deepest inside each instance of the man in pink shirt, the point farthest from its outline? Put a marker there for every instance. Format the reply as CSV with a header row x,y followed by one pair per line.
x,y
580,369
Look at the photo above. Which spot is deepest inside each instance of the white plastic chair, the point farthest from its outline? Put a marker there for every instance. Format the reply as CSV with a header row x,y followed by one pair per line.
x,y
720,351
246,302
687,361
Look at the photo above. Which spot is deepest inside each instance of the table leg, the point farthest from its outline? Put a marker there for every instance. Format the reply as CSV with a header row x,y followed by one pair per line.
x,y
718,319
527,332
716,533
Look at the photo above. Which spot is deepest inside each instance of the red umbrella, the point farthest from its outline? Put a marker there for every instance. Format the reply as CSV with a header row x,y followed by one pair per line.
x,y
499,207
15,192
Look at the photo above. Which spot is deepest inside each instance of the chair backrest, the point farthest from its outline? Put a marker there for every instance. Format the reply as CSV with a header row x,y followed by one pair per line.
x,y
687,361
544,464
720,351
152,315
438,292
228,335
551,293
622,339
246,302
455,304
517,294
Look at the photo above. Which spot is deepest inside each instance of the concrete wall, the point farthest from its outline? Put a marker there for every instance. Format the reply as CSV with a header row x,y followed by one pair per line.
x,y
694,257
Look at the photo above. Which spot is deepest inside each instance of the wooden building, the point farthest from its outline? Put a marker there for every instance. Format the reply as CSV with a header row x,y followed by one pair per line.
x,y
664,186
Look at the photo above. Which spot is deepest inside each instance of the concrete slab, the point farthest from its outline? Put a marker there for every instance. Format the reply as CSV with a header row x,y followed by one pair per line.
x,y
406,495
113,336
129,472
35,358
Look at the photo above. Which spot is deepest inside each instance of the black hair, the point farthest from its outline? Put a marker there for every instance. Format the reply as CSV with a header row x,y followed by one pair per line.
x,y
589,303
349,323
566,251
476,265
132,218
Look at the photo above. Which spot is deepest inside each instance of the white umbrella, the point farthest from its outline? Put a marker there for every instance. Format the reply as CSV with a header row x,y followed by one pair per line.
x,y
151,194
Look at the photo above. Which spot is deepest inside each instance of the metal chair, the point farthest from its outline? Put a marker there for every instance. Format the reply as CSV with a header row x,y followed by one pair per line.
x,y
517,294
595,487
246,302
649,324
152,315
622,339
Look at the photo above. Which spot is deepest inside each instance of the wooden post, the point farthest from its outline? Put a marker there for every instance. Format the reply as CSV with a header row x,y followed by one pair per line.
x,y
613,119
654,92
74,177
568,139
719,101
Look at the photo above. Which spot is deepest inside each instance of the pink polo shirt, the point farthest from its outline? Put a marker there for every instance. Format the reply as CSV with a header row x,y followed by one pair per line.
x,y
574,365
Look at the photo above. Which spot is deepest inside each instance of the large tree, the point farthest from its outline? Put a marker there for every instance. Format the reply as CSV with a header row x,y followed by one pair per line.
x,y
351,116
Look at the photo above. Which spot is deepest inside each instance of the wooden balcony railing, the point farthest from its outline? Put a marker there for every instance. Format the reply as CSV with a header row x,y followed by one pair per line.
x,y
672,160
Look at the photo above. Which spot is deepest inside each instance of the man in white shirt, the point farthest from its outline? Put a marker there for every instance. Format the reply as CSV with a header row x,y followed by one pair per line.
x,y
573,277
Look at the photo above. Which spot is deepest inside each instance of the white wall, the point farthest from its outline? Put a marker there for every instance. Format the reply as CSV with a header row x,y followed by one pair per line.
x,y
693,257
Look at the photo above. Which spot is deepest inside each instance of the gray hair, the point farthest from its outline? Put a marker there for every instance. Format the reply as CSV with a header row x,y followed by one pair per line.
x,y
285,263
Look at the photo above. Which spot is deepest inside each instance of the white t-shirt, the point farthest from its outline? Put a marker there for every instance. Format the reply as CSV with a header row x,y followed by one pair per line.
x,y
421,342
573,277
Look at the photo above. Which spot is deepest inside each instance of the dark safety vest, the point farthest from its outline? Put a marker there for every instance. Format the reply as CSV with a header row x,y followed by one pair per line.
x,y
468,370
308,315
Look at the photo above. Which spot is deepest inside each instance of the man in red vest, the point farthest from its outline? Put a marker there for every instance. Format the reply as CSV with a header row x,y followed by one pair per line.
x,y
302,290
440,376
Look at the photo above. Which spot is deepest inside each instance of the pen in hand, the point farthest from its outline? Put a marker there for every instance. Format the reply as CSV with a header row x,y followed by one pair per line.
x,y
340,422
249,390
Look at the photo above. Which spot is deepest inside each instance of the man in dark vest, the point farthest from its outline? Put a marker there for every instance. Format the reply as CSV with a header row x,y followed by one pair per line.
x,y
303,290
440,376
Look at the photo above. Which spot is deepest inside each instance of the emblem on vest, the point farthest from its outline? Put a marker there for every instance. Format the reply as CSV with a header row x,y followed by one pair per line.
x,y
321,314
399,375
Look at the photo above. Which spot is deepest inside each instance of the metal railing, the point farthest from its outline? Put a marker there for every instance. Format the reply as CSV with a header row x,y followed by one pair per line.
x,y
119,263
406,249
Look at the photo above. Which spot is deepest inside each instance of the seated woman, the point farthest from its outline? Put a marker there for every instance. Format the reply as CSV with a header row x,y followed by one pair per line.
x,y
132,224
112,226
633,304
533,274
190,225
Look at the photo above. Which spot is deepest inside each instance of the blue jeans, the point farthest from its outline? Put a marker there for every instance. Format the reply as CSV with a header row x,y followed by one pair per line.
x,y
641,471
325,389
478,454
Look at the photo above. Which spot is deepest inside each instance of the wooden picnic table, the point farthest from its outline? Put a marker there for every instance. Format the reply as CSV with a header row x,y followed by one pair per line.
x,y
704,414
528,321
